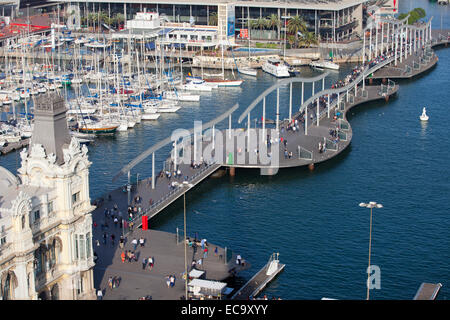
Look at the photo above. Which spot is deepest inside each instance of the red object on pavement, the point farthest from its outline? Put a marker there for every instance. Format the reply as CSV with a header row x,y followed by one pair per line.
x,y
144,223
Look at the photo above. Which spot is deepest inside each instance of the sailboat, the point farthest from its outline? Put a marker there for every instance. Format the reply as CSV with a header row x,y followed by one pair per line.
x,y
223,82
423,116
248,70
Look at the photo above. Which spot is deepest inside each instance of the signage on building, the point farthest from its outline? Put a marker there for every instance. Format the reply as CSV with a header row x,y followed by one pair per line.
x,y
230,20
243,33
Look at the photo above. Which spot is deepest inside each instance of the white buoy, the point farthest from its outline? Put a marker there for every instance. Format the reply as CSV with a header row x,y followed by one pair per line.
x,y
423,116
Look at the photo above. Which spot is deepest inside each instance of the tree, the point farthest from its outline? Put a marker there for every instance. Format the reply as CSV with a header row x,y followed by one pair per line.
x,y
296,24
274,21
414,15
213,19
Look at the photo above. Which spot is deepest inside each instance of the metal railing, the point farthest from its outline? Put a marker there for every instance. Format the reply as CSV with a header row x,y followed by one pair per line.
x,y
304,154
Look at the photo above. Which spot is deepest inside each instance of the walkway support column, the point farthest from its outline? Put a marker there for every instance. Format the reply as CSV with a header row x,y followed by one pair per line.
x,y
317,112
303,91
264,118
306,121
290,102
153,170
328,106
278,108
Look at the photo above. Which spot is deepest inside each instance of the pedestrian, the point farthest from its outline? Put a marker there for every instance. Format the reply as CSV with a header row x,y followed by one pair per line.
x,y
238,259
110,282
150,263
121,241
116,221
144,263
99,294
141,241
172,281
122,256
216,251
199,263
134,243
104,237
205,253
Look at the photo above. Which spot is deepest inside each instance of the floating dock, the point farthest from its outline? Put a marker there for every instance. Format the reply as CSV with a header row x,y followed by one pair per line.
x,y
260,280
428,291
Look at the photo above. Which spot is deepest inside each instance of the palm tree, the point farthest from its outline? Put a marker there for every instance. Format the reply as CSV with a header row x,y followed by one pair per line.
x,y
213,19
308,39
296,24
260,23
274,21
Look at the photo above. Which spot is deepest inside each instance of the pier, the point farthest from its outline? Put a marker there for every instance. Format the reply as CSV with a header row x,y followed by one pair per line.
x,y
260,280
12,146
428,291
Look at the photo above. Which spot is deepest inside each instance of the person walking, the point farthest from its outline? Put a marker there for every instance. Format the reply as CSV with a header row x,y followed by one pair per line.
x,y
134,243
99,294
150,263
141,241
205,253
121,241
144,263
122,257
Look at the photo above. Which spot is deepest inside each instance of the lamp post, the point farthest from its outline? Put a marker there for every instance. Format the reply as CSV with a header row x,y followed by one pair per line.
x,y
189,185
371,204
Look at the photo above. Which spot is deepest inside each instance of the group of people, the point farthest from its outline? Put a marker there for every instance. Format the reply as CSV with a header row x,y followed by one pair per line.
x,y
128,256
114,282
322,147
170,281
148,262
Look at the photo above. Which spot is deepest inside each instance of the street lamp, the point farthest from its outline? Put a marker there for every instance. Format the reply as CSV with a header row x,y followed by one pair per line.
x,y
189,185
371,204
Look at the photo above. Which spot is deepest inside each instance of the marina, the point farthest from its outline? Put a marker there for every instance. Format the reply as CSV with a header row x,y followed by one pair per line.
x,y
263,144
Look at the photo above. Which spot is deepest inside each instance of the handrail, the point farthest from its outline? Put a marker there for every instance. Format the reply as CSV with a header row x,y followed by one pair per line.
x,y
276,86
364,74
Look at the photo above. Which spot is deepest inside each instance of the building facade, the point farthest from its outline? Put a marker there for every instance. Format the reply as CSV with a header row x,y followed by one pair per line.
x,y
45,214
329,19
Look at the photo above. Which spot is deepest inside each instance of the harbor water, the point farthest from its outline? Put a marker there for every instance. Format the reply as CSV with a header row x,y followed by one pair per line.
x,y
312,218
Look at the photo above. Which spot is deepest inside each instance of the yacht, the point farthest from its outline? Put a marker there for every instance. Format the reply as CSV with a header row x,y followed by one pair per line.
x,y
325,64
276,68
248,71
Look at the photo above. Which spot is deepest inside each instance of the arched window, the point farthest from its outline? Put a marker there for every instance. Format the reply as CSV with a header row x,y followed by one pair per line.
x,y
6,288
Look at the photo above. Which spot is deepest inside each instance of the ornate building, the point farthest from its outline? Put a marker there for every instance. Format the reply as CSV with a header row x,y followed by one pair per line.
x,y
45,214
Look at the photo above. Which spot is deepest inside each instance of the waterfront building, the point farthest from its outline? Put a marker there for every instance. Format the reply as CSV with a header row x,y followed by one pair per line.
x,y
329,19
45,214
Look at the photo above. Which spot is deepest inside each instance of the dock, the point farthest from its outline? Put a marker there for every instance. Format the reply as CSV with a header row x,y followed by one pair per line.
x,y
428,291
260,280
12,146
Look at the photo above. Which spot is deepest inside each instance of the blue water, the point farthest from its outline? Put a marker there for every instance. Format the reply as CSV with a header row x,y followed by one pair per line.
x,y
255,50
312,218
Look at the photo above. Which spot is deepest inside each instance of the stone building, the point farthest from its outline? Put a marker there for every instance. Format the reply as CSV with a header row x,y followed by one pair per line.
x,y
45,214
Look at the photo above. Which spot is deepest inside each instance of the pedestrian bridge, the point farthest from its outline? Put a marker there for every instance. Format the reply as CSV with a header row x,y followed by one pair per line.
x,y
312,133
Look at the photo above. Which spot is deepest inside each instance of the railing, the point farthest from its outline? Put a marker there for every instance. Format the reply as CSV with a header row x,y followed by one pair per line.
x,y
344,125
342,136
304,154
330,145
172,194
